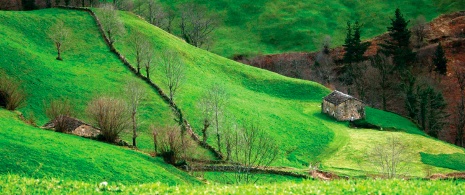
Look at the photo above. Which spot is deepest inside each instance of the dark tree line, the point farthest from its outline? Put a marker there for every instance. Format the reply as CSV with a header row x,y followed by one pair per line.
x,y
395,73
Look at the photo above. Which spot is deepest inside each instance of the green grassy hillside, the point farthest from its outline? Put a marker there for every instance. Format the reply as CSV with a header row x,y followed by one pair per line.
x,y
37,153
88,70
278,26
287,109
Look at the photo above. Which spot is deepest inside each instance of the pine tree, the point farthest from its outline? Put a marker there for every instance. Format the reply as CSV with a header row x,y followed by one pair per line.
x,y
358,47
348,45
440,60
398,46
29,5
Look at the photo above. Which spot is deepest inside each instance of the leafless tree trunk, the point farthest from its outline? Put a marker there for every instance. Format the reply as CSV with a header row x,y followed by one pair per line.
x,y
460,121
135,93
169,143
110,115
323,67
213,104
253,149
60,35
111,22
389,158
196,25
384,80
174,72
419,30
140,45
149,60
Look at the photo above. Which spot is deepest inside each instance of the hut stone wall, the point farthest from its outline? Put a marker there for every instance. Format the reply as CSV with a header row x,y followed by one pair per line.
x,y
349,110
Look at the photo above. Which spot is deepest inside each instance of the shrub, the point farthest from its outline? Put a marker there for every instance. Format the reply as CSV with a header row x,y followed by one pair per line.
x,y
58,111
173,145
110,115
11,94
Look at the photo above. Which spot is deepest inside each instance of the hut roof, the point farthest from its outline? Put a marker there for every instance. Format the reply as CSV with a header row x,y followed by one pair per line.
x,y
337,97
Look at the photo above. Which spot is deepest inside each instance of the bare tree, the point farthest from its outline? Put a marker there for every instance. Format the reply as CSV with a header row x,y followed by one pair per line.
x,y
111,22
12,95
110,115
135,93
173,72
171,145
460,116
60,35
419,29
196,24
205,107
389,157
384,83
253,149
139,46
324,64
213,104
148,59
58,111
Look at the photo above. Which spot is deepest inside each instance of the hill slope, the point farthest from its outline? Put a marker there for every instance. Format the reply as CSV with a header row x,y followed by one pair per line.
x,y
277,26
288,109
88,70
32,152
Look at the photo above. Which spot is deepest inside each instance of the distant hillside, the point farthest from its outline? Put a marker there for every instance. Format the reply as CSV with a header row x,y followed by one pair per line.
x,y
277,26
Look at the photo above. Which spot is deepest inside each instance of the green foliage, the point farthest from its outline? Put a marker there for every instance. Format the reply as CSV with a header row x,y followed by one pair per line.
x,y
455,161
353,46
398,44
36,153
13,184
440,60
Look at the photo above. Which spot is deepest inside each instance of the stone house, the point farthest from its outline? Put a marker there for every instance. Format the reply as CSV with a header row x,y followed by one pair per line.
x,y
73,126
343,107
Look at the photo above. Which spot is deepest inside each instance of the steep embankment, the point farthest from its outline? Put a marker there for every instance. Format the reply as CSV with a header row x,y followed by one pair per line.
x,y
37,153
278,26
288,109
88,70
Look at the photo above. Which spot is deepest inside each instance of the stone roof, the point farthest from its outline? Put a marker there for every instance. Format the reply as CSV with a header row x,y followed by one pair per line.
x,y
337,97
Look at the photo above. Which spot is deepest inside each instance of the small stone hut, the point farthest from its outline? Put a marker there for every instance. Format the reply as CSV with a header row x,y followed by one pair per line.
x,y
343,107
74,126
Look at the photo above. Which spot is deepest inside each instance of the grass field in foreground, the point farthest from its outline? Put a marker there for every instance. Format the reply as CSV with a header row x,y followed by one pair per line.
x,y
37,153
13,184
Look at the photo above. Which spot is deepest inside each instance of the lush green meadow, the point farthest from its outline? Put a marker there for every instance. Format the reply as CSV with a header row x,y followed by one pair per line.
x,y
277,26
287,109
36,153
13,184
88,70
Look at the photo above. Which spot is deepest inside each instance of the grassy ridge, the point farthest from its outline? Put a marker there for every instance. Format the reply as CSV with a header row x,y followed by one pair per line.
x,y
12,184
279,26
288,109
88,70
32,152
